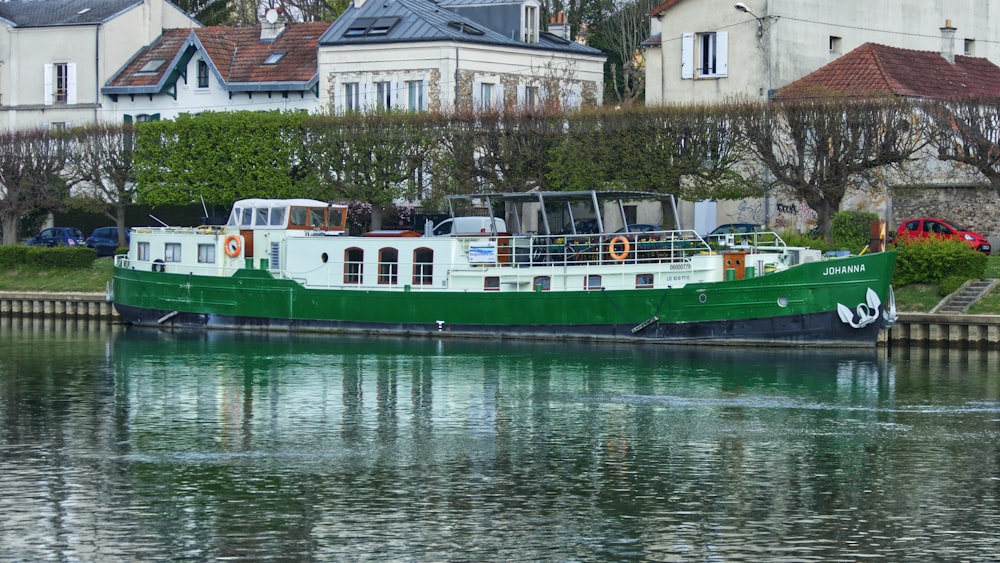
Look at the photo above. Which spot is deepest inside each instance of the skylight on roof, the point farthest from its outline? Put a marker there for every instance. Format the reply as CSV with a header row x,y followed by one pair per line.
x,y
273,58
152,65
466,28
371,26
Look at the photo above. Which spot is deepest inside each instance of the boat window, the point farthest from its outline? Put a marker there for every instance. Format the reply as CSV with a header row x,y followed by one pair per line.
x,y
643,281
317,217
297,216
172,252
337,218
592,281
246,217
206,254
492,283
143,252
423,266
542,283
353,265
388,266
261,218
277,217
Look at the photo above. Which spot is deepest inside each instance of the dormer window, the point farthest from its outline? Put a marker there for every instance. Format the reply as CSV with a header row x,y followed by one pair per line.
x,y
529,22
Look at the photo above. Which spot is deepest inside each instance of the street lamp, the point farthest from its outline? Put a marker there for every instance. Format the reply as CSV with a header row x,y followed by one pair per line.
x,y
741,7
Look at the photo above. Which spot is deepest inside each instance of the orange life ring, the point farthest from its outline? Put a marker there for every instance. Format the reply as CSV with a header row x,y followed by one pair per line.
x,y
233,246
619,256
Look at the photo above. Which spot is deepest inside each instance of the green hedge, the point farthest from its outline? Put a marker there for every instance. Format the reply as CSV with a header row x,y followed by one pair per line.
x,y
12,255
60,257
933,261
852,229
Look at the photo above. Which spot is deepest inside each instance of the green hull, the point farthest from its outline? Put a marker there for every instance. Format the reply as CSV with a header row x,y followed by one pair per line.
x,y
798,305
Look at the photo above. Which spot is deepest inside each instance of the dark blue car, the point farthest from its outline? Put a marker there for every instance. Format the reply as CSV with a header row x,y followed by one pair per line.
x,y
57,236
105,240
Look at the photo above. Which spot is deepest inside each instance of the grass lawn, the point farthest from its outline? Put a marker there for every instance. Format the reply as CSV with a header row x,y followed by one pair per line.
x,y
28,278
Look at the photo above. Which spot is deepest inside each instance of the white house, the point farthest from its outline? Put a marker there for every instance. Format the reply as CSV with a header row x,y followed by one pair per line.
x,y
711,50
446,55
270,66
56,54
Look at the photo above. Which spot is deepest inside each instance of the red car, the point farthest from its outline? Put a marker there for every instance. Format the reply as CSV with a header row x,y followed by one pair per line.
x,y
925,227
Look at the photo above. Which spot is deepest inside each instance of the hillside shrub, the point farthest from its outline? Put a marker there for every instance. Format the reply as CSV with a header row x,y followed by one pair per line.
x,y
852,229
950,284
932,260
60,257
12,255
793,238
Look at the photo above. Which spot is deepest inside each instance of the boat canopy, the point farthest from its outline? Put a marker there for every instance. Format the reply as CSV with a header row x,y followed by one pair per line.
x,y
567,199
302,214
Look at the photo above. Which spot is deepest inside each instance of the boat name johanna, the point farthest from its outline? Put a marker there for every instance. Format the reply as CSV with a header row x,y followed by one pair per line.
x,y
837,270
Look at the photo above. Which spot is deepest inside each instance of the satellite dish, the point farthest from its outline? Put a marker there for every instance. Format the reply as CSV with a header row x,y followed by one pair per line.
x,y
271,16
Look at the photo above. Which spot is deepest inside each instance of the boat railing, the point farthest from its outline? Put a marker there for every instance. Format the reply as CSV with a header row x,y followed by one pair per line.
x,y
589,249
763,240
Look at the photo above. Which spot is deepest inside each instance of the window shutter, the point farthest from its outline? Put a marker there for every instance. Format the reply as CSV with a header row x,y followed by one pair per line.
x,y
49,97
499,103
154,117
128,118
70,83
687,56
366,102
522,97
477,95
721,53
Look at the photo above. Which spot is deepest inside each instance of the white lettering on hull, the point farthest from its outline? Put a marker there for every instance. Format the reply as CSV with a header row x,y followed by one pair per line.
x,y
840,270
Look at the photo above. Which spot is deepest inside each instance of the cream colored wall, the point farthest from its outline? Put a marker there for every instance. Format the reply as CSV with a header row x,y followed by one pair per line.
x,y
437,63
97,51
797,39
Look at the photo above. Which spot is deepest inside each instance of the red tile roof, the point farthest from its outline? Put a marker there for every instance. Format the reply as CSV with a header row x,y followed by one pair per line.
x,y
879,70
236,52
239,54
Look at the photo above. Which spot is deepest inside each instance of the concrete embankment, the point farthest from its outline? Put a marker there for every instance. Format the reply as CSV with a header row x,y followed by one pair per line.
x,y
980,331
43,304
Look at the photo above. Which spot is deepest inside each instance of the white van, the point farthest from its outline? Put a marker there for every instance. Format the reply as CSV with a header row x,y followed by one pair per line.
x,y
467,226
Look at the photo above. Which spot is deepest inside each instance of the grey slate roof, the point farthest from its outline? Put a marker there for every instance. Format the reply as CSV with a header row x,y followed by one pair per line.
x,y
425,20
48,13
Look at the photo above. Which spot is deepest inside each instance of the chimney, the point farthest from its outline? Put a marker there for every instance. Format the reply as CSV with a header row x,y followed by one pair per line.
x,y
273,25
948,42
559,27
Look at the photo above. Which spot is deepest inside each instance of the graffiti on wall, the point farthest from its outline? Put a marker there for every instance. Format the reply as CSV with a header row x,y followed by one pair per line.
x,y
798,216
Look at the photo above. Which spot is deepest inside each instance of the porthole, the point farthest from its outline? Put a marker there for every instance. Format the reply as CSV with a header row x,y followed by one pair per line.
x,y
702,298
324,257
782,301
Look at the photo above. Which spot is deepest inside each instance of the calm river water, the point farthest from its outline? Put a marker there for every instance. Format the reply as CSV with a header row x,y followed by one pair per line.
x,y
123,445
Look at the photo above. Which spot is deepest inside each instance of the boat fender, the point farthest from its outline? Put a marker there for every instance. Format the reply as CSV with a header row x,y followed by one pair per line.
x,y
159,266
619,256
233,246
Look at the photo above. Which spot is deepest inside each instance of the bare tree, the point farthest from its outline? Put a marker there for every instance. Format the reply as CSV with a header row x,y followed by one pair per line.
x,y
816,149
968,132
30,163
620,36
100,168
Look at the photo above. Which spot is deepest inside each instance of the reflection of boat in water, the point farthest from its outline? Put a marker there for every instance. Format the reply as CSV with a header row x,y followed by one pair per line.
x,y
288,265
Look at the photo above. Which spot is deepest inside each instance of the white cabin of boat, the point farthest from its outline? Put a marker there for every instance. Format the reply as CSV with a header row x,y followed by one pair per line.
x,y
306,241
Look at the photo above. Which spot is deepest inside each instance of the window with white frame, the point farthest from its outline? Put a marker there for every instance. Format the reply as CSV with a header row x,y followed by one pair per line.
x,y
202,73
969,47
383,95
60,83
143,251
704,55
415,95
206,254
530,23
172,252
486,95
352,96
531,97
